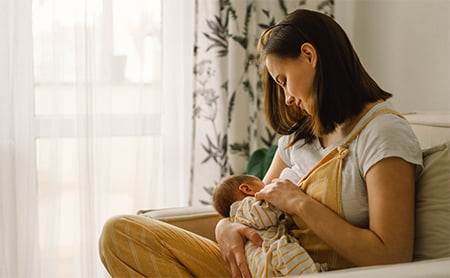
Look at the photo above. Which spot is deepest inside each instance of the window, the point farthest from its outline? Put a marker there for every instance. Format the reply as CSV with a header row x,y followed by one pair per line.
x,y
111,123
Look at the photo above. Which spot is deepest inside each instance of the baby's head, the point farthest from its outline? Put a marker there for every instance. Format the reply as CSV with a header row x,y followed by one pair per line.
x,y
232,189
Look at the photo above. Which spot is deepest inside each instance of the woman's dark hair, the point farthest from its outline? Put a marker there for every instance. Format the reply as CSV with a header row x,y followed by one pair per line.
x,y
341,83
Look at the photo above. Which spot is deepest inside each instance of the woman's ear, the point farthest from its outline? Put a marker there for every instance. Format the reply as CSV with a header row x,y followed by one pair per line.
x,y
309,52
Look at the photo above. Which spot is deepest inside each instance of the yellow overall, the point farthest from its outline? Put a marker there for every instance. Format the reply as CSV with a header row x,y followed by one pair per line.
x,y
323,183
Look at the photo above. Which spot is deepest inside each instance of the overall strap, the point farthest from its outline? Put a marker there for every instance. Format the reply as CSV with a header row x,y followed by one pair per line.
x,y
368,120
341,150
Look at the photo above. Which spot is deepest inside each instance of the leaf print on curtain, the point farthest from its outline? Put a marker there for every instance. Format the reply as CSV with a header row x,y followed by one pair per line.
x,y
228,121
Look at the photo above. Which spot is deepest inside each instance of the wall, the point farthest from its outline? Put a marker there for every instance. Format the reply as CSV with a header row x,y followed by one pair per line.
x,y
405,47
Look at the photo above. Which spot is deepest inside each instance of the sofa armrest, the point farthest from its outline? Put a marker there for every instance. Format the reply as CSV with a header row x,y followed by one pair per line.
x,y
201,220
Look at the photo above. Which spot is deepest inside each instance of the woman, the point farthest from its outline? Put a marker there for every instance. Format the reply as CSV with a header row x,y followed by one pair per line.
x,y
319,96
355,208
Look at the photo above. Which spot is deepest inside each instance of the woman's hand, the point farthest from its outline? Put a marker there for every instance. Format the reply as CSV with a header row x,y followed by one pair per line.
x,y
283,194
231,238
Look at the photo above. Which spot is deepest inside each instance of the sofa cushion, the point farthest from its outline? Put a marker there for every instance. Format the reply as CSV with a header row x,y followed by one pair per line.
x,y
432,238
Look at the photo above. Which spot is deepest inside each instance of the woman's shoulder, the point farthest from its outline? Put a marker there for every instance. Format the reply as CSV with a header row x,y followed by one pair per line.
x,y
386,123
387,135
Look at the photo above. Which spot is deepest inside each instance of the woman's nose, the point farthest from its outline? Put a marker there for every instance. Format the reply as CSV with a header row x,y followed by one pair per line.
x,y
289,100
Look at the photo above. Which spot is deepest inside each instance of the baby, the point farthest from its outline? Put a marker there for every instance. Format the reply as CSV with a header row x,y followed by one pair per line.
x,y
280,254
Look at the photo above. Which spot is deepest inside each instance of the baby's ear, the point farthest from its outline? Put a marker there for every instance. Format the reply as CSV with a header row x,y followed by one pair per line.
x,y
245,188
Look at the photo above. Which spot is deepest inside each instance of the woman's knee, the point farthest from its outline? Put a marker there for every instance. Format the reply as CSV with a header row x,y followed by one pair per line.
x,y
125,227
123,244
111,228
119,226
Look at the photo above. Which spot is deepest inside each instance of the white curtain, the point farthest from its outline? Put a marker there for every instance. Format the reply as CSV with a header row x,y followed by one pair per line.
x,y
229,124
19,240
89,127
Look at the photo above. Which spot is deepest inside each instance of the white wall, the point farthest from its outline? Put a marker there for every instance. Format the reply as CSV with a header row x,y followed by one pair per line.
x,y
405,47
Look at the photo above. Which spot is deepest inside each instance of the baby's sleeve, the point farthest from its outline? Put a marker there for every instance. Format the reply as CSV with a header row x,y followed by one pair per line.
x,y
256,214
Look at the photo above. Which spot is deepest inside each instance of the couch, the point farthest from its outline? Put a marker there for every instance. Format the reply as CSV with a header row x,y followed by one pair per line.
x,y
432,234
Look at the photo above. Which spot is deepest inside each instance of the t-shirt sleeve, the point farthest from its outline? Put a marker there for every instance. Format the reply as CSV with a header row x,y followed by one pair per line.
x,y
283,151
387,136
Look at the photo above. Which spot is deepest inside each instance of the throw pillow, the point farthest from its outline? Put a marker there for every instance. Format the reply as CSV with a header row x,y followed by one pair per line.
x,y
432,232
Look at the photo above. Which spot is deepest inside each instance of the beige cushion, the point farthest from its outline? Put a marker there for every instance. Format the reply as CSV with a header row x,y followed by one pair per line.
x,y
432,238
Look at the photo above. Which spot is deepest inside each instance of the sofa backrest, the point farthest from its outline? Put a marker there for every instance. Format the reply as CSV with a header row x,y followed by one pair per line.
x,y
432,225
431,128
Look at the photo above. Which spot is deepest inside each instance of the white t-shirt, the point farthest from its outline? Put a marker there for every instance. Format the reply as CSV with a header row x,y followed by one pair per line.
x,y
387,135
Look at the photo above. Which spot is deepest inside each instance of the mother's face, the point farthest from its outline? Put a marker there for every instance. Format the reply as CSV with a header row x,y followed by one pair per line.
x,y
295,76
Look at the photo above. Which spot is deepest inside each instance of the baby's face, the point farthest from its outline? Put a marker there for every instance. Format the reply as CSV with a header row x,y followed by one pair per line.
x,y
257,186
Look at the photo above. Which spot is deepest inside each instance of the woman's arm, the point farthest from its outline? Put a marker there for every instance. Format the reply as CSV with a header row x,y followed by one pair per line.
x,y
390,236
275,169
231,238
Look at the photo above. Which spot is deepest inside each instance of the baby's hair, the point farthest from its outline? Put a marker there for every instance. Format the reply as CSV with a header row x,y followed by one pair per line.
x,y
226,192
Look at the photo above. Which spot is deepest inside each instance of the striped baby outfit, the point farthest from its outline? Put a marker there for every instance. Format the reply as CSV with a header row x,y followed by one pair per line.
x,y
280,254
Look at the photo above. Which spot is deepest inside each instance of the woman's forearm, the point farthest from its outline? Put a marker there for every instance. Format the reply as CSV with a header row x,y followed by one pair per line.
x,y
360,246
390,235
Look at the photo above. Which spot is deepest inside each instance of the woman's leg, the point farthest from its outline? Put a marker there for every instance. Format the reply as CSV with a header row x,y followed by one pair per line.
x,y
138,246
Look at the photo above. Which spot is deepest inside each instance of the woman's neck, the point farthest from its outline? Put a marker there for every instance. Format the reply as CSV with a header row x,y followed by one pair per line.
x,y
345,128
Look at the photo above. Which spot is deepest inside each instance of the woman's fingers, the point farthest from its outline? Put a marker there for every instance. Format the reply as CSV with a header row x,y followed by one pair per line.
x,y
281,193
239,254
238,265
231,238
235,253
243,266
253,236
236,261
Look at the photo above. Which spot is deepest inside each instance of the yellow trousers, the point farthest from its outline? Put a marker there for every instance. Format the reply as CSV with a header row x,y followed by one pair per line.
x,y
138,246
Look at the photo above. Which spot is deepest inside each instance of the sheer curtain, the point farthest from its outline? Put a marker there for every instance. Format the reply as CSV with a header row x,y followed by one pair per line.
x,y
91,125
18,241
229,124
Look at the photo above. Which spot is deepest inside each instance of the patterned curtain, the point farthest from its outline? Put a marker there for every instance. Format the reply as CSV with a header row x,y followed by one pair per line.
x,y
229,123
